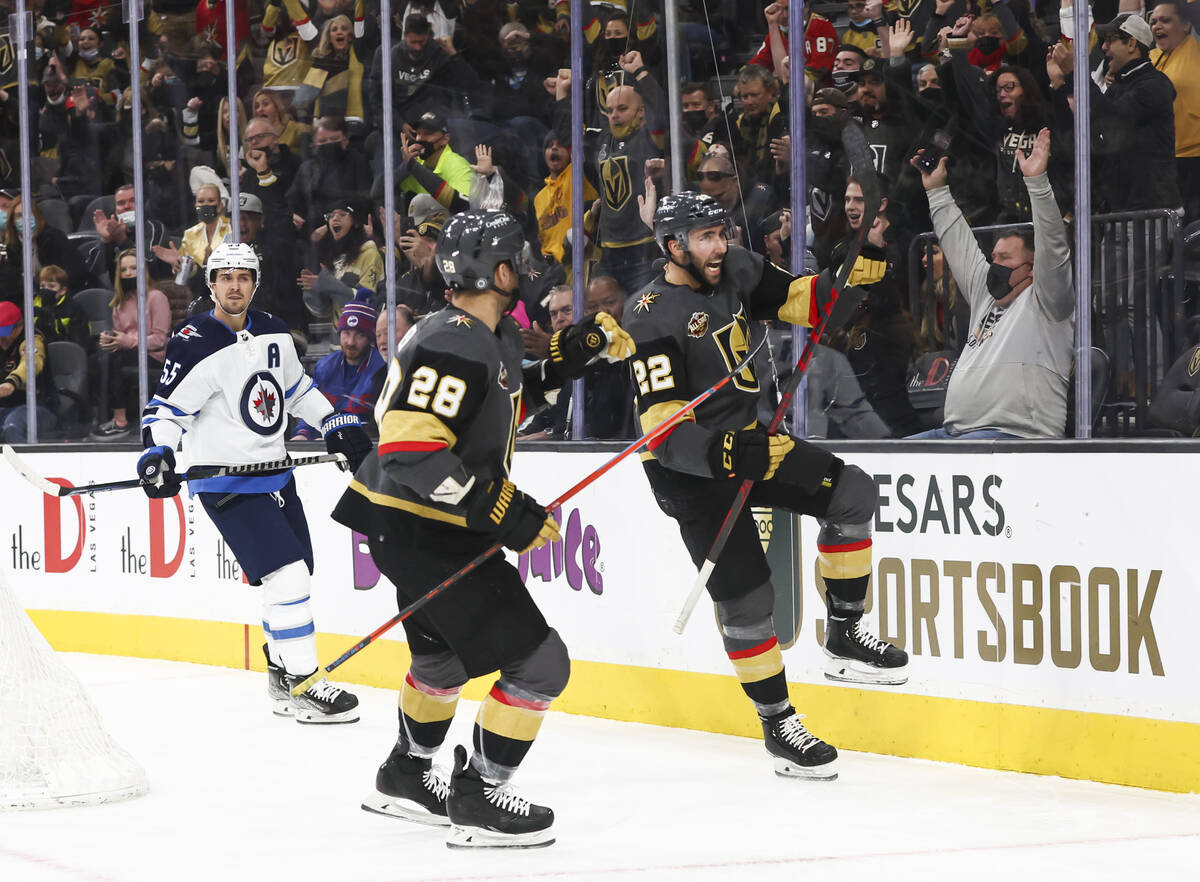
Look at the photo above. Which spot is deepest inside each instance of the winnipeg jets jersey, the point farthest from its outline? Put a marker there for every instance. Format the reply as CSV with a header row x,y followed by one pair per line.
x,y
230,392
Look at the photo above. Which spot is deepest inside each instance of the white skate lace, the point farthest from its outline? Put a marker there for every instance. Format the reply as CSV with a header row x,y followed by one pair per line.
x,y
325,691
505,797
792,733
866,638
435,784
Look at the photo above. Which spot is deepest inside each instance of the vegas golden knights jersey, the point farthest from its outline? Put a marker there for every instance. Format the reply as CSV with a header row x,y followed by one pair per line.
x,y
688,340
447,415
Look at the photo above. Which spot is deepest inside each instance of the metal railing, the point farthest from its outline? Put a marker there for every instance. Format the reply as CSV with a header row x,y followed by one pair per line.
x,y
1139,311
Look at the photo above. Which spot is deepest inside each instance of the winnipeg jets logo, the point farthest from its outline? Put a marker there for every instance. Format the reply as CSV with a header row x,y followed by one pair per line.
x,y
459,321
645,301
188,332
262,403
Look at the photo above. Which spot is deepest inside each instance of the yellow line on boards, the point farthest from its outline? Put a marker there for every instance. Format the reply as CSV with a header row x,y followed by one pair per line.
x,y
1135,751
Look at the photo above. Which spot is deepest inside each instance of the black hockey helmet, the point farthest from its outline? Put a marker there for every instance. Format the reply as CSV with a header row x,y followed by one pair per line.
x,y
473,242
680,213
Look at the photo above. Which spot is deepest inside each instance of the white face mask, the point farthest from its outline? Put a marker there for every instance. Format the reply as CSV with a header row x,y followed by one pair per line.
x,y
88,54
129,218
55,102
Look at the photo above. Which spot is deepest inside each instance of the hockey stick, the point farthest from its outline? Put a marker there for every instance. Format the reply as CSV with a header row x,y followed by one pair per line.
x,y
654,434
861,165
201,471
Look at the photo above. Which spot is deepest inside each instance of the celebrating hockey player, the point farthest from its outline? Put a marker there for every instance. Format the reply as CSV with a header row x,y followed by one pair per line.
x,y
691,326
230,379
436,496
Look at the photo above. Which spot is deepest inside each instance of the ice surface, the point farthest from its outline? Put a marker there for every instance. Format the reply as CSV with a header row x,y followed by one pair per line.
x,y
239,794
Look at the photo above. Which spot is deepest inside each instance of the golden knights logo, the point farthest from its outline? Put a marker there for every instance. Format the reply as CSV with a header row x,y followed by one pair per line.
x,y
6,57
614,178
285,51
645,301
733,341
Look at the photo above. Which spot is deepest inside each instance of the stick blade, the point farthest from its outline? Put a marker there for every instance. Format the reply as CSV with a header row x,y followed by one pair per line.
x,y
23,469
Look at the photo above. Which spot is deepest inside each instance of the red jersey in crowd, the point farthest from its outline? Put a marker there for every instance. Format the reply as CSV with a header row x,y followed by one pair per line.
x,y
820,46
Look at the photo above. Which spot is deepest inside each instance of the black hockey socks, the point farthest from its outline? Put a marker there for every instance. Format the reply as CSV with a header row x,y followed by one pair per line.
x,y
425,715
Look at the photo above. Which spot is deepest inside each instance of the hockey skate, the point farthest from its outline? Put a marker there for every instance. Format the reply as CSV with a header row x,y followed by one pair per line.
x,y
798,753
281,701
489,815
320,703
857,656
408,787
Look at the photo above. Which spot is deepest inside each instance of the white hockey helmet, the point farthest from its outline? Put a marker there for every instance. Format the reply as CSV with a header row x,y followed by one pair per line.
x,y
232,255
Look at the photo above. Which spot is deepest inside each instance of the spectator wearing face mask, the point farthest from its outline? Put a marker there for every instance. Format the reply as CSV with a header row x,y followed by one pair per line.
x,y
862,30
424,78
14,378
1011,378
210,230
206,86
95,68
50,247
58,316
334,169
427,164
116,231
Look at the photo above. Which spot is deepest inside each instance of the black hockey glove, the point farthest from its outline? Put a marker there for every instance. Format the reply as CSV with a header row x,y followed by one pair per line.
x,y
573,349
842,310
514,518
749,454
156,468
344,434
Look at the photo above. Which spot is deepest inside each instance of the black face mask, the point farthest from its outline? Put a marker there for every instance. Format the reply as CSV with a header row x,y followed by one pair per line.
x,y
207,213
417,56
329,152
695,119
999,280
827,128
987,45
516,57
933,94
206,80
616,46
843,80
427,149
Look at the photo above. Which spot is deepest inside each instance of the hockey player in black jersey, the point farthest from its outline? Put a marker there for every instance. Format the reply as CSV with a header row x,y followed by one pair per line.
x,y
437,495
691,326
230,378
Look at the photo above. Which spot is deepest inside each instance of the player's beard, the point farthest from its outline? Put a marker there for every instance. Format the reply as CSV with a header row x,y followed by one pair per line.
x,y
698,269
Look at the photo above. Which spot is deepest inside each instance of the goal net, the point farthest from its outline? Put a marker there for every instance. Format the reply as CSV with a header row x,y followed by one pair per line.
x,y
54,750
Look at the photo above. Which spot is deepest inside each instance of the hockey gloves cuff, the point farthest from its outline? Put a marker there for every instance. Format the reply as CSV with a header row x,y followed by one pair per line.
x,y
514,518
749,454
344,434
156,468
573,349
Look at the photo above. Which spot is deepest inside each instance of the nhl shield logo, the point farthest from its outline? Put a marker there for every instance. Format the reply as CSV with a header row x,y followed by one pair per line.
x,y
697,325
262,404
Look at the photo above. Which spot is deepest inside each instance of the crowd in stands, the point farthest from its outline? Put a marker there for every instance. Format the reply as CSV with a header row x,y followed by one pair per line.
x,y
481,112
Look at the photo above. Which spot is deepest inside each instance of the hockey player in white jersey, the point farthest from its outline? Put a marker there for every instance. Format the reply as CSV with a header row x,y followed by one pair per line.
x,y
230,379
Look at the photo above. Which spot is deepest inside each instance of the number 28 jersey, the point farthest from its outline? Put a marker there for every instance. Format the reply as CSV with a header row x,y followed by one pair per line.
x,y
448,415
